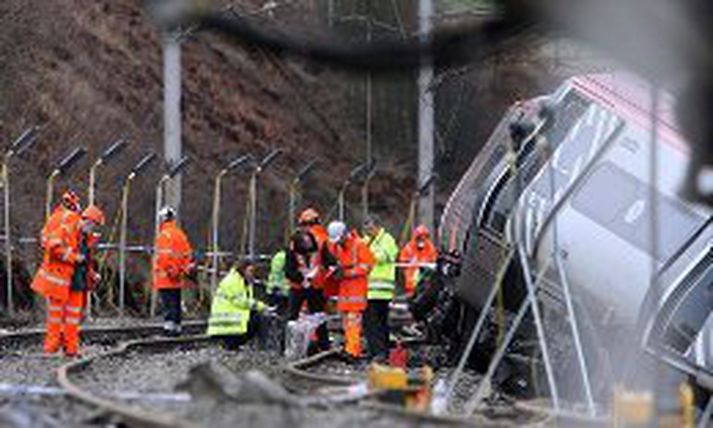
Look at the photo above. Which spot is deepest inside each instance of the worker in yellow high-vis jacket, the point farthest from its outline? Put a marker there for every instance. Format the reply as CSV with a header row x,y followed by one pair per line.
x,y
235,313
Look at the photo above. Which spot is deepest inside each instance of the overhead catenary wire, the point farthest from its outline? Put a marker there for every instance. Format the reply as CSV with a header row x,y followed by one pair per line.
x,y
440,138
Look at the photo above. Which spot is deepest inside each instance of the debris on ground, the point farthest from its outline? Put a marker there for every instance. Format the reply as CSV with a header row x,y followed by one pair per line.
x,y
24,416
210,382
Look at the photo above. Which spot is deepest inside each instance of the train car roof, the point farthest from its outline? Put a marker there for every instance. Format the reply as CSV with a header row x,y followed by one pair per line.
x,y
630,97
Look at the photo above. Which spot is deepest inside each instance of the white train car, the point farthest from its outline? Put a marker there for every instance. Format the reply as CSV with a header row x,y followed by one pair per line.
x,y
574,188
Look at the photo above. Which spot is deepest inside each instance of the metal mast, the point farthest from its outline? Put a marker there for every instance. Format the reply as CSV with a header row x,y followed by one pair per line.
x,y
425,119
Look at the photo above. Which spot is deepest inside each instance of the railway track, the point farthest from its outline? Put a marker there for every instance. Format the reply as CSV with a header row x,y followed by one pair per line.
x,y
149,368
133,415
131,376
79,379
28,380
30,340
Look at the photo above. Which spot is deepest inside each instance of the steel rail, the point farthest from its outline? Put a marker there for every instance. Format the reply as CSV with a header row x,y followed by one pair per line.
x,y
89,333
135,419
298,368
144,419
134,416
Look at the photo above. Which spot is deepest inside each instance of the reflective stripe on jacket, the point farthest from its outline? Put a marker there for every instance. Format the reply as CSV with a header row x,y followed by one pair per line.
x,y
230,309
383,277
173,257
60,242
356,261
322,237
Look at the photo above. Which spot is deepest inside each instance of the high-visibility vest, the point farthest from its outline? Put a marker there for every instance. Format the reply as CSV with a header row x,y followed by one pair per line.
x,y
322,237
60,242
356,261
230,309
276,280
410,253
383,277
173,257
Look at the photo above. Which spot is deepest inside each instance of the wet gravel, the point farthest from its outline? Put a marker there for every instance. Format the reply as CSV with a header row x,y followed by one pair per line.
x,y
30,367
22,363
160,371
499,410
335,366
463,390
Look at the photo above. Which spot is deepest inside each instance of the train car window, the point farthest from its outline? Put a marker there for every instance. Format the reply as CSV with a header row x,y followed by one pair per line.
x,y
618,201
566,113
499,205
582,141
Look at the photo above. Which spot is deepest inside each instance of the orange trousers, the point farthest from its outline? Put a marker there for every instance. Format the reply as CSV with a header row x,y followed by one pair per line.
x,y
351,323
62,327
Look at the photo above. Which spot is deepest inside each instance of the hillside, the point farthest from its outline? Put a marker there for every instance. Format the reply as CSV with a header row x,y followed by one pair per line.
x,y
91,71
90,77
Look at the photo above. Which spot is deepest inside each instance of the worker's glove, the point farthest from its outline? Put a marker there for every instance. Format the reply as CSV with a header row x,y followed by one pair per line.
x,y
270,310
80,259
259,306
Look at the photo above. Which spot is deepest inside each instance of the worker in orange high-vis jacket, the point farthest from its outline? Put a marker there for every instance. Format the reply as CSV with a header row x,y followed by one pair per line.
x,y
419,250
310,221
84,279
59,241
172,265
303,269
351,265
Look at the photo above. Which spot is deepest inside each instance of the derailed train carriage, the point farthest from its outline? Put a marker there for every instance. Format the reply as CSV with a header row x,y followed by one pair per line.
x,y
559,200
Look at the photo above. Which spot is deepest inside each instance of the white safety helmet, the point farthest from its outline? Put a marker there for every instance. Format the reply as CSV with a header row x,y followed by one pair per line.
x,y
336,231
166,213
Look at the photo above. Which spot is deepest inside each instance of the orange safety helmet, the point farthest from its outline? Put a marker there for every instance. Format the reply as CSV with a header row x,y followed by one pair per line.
x,y
421,232
70,200
308,216
94,214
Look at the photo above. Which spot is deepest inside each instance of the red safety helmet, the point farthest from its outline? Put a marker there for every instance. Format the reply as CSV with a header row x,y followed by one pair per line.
x,y
308,216
70,200
94,214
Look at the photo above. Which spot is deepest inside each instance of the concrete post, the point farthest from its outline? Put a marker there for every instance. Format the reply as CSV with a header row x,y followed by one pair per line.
x,y
426,123
172,114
